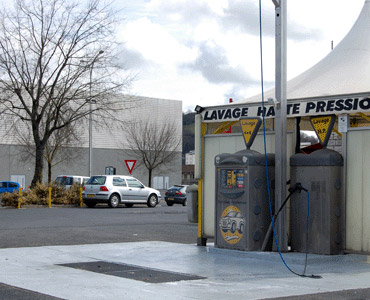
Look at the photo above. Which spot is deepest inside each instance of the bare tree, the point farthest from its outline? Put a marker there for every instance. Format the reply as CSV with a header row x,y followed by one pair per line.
x,y
153,144
48,49
60,147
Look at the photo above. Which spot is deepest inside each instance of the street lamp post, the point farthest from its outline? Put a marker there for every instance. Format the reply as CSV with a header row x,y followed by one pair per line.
x,y
90,115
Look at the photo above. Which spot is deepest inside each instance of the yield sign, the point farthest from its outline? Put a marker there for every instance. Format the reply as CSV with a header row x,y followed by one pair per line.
x,y
130,164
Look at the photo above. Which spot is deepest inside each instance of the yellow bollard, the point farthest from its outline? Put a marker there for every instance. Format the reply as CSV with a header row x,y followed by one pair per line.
x,y
81,203
19,198
49,196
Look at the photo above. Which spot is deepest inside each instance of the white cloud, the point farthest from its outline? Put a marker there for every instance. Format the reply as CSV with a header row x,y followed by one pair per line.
x,y
205,51
155,43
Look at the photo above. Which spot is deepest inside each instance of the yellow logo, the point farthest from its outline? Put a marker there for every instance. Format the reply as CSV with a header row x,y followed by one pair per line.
x,y
232,224
250,127
323,127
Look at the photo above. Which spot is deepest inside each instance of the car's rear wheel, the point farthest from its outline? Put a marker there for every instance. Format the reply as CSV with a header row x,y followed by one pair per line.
x,y
185,202
113,200
90,204
169,203
152,201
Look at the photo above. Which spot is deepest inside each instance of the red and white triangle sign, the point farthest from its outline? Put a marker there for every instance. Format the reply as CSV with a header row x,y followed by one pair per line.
x,y
130,164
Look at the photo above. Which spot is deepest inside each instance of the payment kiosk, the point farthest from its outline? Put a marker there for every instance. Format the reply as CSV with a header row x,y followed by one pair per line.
x,y
321,174
242,214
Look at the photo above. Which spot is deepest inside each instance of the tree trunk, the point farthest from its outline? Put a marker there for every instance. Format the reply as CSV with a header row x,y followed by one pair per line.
x,y
150,178
49,172
39,166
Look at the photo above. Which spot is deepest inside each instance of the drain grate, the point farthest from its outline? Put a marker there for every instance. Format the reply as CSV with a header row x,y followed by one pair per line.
x,y
132,272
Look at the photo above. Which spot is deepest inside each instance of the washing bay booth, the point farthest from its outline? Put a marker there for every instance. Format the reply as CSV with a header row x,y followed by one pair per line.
x,y
339,84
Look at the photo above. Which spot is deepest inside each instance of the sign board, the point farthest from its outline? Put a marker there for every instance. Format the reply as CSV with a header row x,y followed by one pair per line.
x,y
130,164
323,126
294,109
343,123
250,127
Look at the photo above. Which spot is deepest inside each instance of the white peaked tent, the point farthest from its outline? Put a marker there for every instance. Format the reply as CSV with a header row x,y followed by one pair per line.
x,y
344,71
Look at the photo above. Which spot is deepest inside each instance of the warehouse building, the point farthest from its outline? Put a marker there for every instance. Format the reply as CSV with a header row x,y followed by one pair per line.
x,y
109,146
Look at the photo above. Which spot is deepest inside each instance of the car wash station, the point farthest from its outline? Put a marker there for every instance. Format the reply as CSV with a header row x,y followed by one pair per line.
x,y
261,187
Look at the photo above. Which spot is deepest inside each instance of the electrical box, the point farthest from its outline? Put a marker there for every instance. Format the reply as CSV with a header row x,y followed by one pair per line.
x,y
321,174
242,210
110,170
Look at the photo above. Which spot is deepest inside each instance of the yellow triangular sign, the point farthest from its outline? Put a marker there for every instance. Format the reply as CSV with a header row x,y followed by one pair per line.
x,y
250,127
323,126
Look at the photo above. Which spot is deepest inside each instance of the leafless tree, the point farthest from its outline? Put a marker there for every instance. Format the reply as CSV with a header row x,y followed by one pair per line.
x,y
153,144
48,52
61,146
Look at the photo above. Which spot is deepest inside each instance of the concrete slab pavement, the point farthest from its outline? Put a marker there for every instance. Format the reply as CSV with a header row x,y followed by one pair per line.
x,y
228,274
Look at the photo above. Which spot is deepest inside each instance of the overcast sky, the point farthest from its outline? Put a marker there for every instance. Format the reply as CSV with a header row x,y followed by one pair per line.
x,y
207,51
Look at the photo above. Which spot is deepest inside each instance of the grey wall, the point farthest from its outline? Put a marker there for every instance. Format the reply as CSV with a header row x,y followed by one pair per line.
x,y
12,163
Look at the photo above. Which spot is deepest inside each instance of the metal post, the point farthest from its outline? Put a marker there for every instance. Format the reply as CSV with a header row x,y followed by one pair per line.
x,y
90,127
90,116
281,119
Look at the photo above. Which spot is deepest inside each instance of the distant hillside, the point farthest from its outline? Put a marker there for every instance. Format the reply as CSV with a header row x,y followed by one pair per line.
x,y
187,132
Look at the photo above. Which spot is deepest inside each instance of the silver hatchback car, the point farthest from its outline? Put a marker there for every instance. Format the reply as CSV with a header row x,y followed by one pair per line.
x,y
116,189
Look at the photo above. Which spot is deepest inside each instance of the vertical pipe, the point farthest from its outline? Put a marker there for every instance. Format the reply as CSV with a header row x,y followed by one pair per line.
x,y
200,209
281,120
49,197
81,202
90,128
19,198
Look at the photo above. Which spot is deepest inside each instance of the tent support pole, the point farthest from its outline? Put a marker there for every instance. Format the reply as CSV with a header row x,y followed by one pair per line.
x,y
281,119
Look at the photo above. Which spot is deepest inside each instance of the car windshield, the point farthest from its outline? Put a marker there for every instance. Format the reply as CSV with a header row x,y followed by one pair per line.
x,y
64,180
96,180
232,214
175,188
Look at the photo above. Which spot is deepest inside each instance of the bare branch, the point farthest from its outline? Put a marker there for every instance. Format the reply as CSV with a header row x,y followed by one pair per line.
x,y
48,74
153,144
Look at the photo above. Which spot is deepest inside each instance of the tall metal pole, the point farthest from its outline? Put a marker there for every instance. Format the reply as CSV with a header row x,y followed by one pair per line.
x,y
90,116
90,125
281,119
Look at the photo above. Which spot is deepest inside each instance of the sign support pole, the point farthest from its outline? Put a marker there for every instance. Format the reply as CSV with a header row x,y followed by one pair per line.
x,y
281,119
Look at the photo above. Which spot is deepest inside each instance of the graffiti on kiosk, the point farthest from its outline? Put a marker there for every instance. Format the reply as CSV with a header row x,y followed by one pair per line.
x,y
232,224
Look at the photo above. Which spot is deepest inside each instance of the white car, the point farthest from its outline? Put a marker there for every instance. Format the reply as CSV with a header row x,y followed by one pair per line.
x,y
116,189
68,180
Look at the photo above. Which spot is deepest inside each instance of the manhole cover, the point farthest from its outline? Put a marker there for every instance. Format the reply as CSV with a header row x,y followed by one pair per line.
x,y
132,272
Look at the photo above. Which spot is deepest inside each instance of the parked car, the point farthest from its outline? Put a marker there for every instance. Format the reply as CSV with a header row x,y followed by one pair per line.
x,y
116,189
68,180
176,194
9,186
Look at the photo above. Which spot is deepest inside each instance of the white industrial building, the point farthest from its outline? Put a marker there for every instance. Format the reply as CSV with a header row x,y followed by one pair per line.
x,y
109,144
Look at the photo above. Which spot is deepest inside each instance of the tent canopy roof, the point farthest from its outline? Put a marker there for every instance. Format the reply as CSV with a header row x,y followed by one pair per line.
x,y
344,71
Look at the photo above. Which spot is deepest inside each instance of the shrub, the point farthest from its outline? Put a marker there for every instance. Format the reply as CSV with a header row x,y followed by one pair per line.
x,y
39,195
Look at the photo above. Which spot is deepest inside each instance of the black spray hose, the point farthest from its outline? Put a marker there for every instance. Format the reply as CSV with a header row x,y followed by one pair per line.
x,y
297,187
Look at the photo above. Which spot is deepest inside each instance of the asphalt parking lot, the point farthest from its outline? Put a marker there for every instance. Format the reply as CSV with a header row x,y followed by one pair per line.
x,y
150,253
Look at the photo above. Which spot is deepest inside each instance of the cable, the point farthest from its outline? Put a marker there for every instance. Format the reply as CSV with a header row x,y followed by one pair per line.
x,y
266,167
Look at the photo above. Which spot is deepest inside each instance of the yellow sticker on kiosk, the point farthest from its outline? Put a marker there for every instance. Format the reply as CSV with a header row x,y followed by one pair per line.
x,y
323,126
250,127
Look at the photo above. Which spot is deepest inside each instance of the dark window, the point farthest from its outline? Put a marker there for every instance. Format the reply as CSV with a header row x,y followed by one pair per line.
x,y
64,180
119,181
13,185
134,183
96,180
